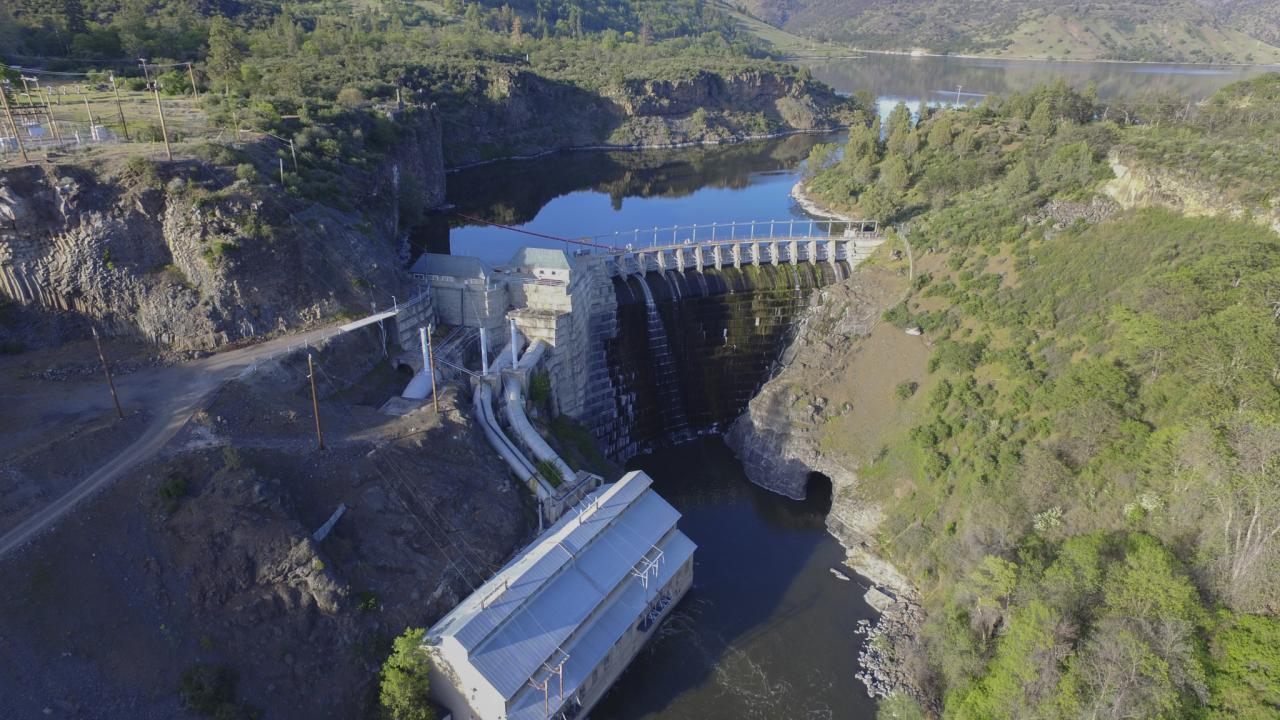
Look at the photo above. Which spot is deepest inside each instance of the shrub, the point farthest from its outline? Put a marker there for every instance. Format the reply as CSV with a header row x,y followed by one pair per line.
x,y
231,458
368,601
540,389
898,315
405,689
171,492
906,389
210,690
350,97
143,172
247,172
550,472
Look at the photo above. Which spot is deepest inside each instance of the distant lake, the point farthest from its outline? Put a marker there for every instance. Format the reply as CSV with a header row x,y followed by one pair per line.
x,y
949,80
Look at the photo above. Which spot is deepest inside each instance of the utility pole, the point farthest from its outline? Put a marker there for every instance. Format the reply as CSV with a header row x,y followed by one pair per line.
x,y
4,98
281,171
145,74
93,130
164,131
48,112
315,401
192,74
106,369
958,89
294,153
116,89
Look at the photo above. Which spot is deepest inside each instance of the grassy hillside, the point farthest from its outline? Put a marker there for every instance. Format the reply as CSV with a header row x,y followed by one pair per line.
x,y
1087,491
1176,30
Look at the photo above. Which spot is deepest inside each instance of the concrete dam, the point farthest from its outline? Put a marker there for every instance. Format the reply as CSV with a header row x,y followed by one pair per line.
x,y
643,348
660,340
691,348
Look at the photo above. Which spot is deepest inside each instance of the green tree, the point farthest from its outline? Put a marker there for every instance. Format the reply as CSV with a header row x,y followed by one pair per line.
x,y
894,174
1024,673
899,120
1245,681
226,51
1020,180
940,132
1042,123
405,690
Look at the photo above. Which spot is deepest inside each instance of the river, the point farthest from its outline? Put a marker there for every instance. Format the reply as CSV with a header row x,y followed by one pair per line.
x,y
767,630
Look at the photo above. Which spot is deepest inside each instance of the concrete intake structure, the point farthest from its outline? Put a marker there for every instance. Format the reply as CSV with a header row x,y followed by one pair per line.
x,y
551,632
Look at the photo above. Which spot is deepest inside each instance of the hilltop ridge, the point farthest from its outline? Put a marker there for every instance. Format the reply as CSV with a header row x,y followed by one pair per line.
x,y
1214,31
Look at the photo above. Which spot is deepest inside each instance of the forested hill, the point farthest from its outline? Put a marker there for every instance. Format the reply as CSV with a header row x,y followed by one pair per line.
x,y
1085,482
1242,31
638,73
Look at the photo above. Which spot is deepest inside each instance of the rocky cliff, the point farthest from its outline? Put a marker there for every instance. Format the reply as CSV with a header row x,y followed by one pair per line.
x,y
186,255
783,437
1139,184
517,112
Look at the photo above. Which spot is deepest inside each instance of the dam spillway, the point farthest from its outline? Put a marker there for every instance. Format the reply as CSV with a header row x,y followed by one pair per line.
x,y
718,335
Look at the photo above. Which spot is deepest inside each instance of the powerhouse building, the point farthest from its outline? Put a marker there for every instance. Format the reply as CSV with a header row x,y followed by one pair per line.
x,y
551,631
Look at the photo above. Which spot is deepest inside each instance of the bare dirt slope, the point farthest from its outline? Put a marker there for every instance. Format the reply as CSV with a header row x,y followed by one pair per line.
x,y
205,556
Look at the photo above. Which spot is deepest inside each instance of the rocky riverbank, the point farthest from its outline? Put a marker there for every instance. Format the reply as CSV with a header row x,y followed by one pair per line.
x,y
801,195
882,659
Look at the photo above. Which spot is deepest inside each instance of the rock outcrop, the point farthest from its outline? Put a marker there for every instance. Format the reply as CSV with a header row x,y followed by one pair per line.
x,y
186,256
780,441
1141,185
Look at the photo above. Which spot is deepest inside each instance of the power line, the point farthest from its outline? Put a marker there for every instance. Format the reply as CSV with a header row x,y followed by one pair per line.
x,y
544,236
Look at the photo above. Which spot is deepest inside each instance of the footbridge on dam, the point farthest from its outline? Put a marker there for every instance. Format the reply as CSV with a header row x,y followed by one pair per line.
x,y
734,244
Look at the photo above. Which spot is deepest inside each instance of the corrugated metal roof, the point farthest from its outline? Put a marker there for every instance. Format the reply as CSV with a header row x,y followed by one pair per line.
x,y
459,266
514,652
589,648
521,617
478,615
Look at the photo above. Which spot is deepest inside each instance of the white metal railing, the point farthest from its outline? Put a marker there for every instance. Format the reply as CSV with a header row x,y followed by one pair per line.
x,y
737,231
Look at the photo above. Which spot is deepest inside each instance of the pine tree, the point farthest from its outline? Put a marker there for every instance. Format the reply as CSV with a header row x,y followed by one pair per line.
x,y
226,51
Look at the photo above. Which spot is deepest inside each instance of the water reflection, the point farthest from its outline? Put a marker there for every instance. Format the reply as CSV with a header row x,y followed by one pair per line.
x,y
577,194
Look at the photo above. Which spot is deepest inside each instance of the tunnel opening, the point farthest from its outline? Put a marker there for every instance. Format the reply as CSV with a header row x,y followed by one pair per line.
x,y
818,492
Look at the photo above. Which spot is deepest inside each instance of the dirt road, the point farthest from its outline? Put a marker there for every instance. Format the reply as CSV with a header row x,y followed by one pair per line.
x,y
170,396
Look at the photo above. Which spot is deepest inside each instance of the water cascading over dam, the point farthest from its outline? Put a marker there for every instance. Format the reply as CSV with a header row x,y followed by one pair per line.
x,y
688,350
